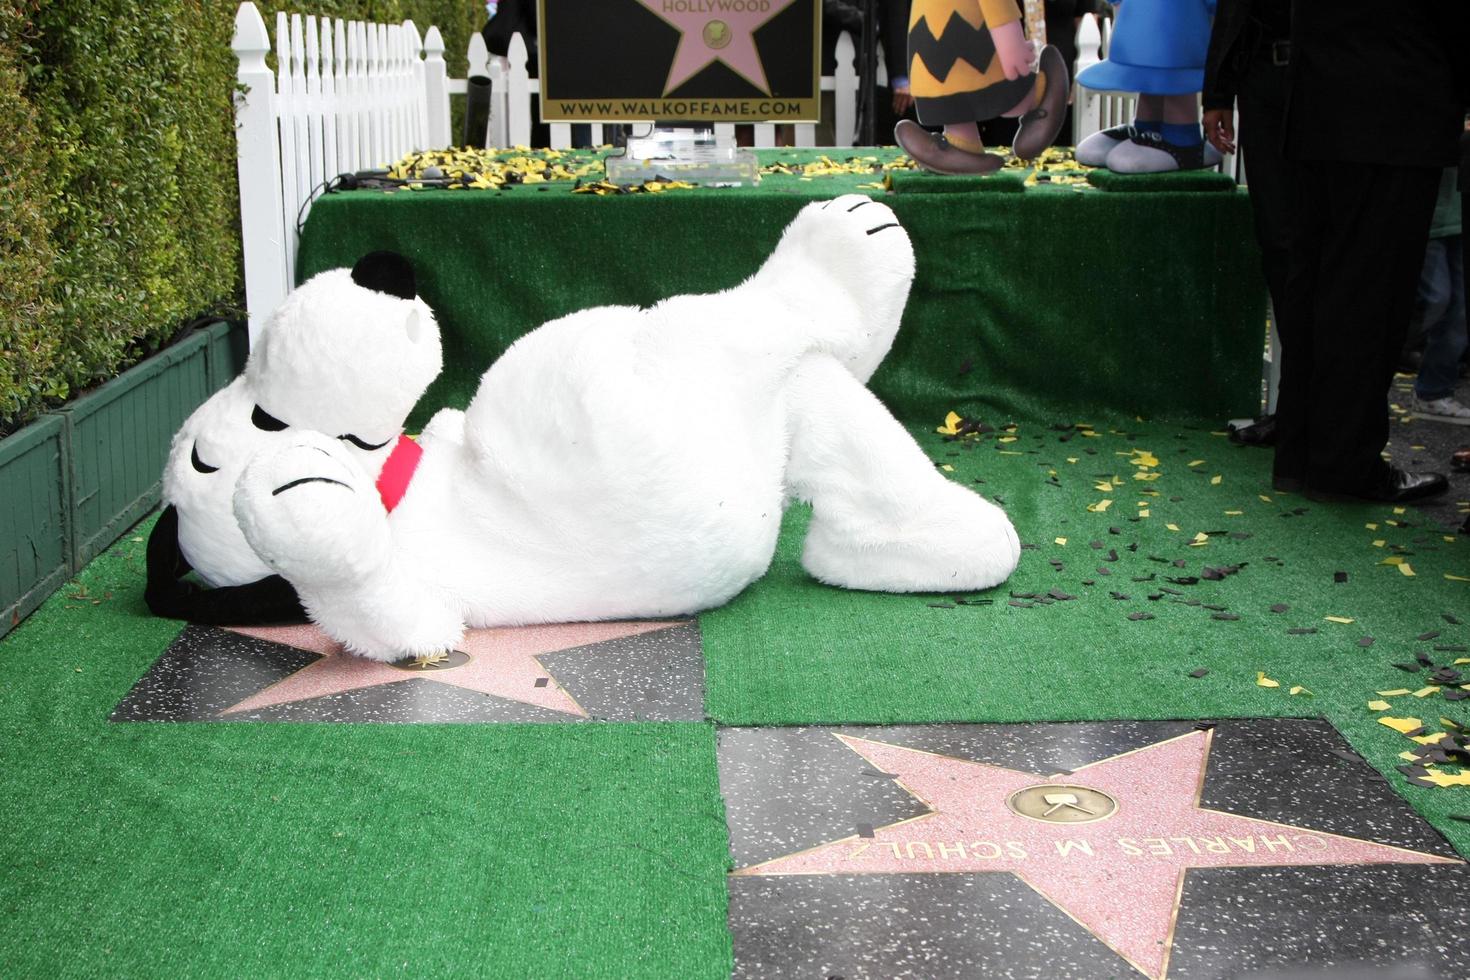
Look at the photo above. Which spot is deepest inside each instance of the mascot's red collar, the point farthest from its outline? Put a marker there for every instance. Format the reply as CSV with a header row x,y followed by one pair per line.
x,y
398,470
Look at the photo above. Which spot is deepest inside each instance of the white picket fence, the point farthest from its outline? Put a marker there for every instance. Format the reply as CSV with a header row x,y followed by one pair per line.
x,y
348,96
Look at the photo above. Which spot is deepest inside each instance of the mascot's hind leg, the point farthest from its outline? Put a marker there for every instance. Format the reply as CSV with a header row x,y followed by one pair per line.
x,y
883,517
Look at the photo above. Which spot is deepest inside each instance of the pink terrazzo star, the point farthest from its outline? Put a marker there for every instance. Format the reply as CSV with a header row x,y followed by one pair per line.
x,y
1117,872
502,663
716,30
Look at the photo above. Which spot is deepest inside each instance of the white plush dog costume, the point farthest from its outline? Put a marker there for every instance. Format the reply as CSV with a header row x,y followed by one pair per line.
x,y
623,462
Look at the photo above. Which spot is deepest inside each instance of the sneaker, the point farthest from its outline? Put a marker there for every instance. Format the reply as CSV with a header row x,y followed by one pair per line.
x,y
1147,152
1444,409
1094,149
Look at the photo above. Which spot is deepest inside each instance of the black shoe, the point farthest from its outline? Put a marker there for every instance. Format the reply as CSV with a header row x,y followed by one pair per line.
x,y
1287,484
1261,432
1397,487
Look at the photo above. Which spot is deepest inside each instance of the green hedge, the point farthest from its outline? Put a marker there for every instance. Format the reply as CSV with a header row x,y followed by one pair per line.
x,y
119,215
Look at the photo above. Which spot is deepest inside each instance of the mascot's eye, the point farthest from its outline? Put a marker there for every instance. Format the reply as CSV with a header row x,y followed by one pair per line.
x,y
364,445
200,464
261,420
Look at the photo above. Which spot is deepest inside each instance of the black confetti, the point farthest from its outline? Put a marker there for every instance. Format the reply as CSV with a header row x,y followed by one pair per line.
x,y
1199,672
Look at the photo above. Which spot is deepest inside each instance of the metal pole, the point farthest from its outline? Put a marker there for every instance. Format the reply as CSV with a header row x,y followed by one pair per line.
x,y
868,76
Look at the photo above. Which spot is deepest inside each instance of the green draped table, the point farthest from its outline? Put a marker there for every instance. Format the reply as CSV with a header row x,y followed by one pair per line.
x,y
1044,299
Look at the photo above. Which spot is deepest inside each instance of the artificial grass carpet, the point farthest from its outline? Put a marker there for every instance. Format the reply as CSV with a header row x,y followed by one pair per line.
x,y
600,849
342,850
790,650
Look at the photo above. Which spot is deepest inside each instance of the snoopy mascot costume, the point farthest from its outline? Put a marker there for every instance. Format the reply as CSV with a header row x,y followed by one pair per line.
x,y
563,493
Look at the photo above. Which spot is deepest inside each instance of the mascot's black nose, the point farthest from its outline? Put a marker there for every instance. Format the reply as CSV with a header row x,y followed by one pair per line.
x,y
200,464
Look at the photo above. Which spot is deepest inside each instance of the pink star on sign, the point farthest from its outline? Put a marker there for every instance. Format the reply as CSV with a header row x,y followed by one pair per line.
x,y
716,30
1107,844
502,662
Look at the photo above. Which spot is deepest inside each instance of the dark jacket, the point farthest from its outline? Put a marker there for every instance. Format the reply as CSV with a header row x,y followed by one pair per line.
x,y
1377,83
1230,38
513,17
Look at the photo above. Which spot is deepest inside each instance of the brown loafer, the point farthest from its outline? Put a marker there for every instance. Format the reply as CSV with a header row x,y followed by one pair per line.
x,y
933,152
1040,126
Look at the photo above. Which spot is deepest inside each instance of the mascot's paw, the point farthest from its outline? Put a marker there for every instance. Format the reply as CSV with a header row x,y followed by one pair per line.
x,y
853,263
312,514
958,542
854,236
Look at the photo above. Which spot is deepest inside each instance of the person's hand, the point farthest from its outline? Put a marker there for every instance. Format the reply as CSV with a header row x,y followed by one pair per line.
x,y
1017,55
903,100
1220,129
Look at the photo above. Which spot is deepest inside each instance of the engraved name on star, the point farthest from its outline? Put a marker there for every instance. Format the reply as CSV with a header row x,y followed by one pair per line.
x,y
498,662
716,30
1107,844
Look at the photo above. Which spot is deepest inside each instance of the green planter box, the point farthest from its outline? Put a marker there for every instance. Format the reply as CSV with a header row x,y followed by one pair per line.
x,y
228,346
35,546
120,436
74,480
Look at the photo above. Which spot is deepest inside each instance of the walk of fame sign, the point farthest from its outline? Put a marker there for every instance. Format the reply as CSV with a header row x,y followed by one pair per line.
x,y
1109,844
641,670
680,60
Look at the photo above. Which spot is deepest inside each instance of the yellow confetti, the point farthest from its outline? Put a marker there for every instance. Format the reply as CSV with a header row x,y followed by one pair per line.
x,y
1263,681
1264,499
1215,480
1408,756
1234,513
1463,660
1456,578
1401,725
1379,705
1146,476
1144,512
1100,506
1071,459
1393,560
1399,510
1196,462
1172,527
1394,693
1461,778
947,468
1061,541
1142,457
1344,620
1429,739
1406,570
1104,487
1200,538
1298,689
1379,543
1371,527
1007,439
1424,692
951,421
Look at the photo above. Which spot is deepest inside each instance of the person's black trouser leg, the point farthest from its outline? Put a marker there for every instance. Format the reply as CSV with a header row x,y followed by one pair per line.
x,y
1360,233
1262,102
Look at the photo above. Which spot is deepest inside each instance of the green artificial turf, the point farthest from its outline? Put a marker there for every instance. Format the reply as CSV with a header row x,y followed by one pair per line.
x,y
226,850
792,651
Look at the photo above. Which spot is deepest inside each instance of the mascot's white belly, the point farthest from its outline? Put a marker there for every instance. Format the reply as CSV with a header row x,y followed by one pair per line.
x,y
622,462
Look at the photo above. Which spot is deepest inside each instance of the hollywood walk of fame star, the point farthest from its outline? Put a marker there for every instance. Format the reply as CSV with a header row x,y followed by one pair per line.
x,y
1111,853
714,30
501,662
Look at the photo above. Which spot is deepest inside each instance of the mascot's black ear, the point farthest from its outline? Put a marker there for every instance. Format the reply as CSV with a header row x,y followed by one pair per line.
x,y
385,272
